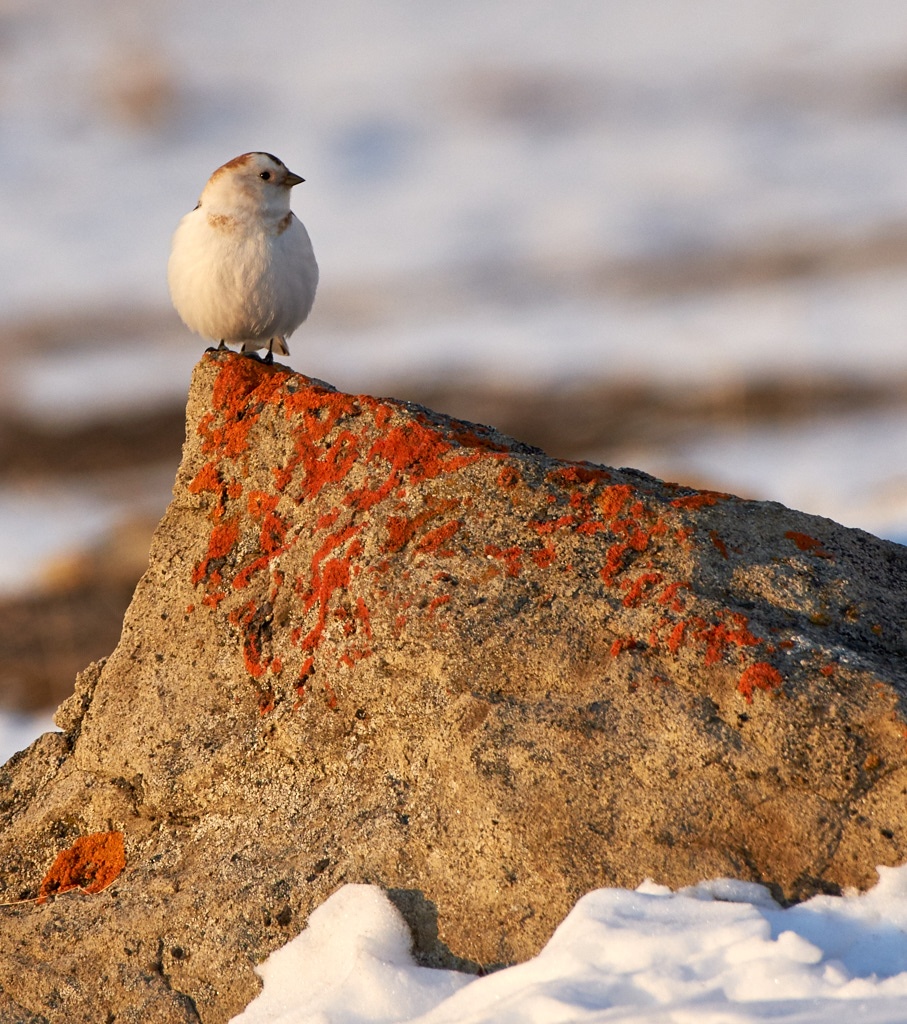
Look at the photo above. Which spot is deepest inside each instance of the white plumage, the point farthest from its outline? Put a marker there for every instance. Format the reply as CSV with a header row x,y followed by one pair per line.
x,y
242,270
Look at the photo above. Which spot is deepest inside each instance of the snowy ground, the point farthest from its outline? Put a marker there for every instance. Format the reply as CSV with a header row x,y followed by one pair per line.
x,y
721,952
496,189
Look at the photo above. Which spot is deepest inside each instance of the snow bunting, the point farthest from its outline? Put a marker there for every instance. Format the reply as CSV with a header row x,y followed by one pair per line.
x,y
241,268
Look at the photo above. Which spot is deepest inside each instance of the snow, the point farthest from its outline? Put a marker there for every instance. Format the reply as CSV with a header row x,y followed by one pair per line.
x,y
722,952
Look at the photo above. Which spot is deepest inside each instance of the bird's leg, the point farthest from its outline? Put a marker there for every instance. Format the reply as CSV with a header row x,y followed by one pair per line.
x,y
269,358
222,346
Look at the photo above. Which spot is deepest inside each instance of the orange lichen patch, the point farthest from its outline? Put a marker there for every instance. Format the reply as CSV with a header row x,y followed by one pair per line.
x,y
827,670
509,477
670,595
719,636
637,539
720,546
240,390
206,479
571,476
220,544
253,624
329,574
613,499
684,537
471,436
91,864
675,640
544,557
638,588
402,529
809,544
701,499
511,557
433,542
412,453
625,643
436,603
362,614
544,526
614,562
327,466
760,676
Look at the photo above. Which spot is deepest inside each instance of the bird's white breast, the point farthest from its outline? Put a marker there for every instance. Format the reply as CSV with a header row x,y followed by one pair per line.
x,y
236,279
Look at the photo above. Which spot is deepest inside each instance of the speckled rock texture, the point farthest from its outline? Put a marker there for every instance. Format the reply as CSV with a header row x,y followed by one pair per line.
x,y
374,644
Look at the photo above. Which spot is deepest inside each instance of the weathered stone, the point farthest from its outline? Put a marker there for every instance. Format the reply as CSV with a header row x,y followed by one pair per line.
x,y
378,645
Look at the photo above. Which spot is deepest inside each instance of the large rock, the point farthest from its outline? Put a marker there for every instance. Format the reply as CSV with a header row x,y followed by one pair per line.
x,y
374,644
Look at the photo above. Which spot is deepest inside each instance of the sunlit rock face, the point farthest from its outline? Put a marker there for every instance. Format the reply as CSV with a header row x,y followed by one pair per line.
x,y
376,644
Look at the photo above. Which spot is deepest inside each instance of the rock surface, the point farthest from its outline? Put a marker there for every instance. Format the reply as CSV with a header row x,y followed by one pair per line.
x,y
374,644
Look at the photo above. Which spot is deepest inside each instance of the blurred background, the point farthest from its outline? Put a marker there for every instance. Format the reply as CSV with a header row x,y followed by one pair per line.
x,y
670,234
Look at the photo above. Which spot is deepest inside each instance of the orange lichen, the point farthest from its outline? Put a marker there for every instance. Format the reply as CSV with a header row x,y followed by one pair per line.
x,y
511,557
613,499
401,530
206,479
339,463
719,636
550,525
701,499
413,453
760,676
670,595
638,588
809,544
544,557
675,640
573,475
220,543
91,864
720,546
437,603
626,643
225,429
251,622
433,541
362,614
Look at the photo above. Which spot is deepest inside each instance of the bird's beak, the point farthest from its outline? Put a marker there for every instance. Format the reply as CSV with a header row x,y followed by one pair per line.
x,y
292,179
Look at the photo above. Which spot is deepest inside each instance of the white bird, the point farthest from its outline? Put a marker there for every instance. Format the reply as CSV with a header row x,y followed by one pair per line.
x,y
242,269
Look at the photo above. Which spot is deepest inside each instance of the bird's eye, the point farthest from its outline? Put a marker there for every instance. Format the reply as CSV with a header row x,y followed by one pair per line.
x,y
265,175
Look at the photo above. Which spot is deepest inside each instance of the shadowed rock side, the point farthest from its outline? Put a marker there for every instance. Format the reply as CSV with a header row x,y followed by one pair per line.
x,y
378,645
